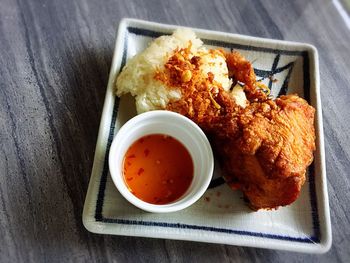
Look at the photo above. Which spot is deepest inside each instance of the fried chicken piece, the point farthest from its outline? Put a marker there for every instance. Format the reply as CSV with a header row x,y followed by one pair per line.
x,y
240,69
269,158
264,148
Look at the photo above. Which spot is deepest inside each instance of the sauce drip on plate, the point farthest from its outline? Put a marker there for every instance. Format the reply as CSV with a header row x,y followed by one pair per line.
x,y
158,169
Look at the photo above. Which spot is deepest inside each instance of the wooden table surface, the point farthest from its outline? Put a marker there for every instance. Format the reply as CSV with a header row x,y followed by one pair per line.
x,y
54,65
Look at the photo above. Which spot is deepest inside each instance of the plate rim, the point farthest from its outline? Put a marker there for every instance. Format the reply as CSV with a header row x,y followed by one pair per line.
x,y
98,227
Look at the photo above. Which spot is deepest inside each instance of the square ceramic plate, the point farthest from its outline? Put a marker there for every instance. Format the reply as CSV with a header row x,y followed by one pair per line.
x,y
220,216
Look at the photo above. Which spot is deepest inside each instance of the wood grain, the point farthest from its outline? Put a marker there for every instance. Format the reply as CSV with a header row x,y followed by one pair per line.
x,y
55,58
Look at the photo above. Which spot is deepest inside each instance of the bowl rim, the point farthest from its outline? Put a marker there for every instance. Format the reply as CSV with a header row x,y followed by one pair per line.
x,y
203,144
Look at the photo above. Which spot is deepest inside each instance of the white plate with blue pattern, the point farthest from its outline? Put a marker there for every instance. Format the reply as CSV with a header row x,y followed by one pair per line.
x,y
220,216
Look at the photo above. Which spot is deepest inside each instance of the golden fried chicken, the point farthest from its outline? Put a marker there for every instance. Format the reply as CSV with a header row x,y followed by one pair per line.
x,y
264,148
269,157
241,70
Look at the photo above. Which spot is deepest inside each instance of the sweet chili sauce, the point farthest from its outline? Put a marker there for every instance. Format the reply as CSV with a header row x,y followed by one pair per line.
x,y
158,169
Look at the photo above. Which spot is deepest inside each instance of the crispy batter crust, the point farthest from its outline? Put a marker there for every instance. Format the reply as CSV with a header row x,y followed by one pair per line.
x,y
264,148
269,157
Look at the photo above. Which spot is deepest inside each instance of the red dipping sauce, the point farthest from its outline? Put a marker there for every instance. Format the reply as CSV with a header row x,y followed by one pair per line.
x,y
158,169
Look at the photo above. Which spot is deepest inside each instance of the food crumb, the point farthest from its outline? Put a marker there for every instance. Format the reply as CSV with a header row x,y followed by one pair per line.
x,y
207,199
274,80
218,194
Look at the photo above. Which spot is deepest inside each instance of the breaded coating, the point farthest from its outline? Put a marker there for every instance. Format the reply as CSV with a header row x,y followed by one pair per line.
x,y
269,157
264,148
241,70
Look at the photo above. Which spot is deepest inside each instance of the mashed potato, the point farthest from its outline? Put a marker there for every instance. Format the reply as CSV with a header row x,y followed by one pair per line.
x,y
137,77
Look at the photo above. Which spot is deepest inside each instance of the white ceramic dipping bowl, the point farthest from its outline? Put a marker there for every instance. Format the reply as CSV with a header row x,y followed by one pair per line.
x,y
182,129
